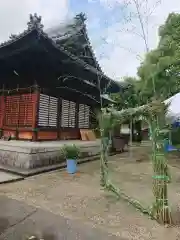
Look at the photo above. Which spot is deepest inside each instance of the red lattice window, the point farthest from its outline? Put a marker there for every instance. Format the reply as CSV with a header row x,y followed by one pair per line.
x,y
19,110
26,109
11,110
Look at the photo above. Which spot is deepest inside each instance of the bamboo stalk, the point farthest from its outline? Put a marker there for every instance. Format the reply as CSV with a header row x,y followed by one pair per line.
x,y
160,207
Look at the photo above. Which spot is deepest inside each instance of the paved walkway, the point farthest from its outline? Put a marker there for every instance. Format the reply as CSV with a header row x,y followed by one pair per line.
x,y
19,221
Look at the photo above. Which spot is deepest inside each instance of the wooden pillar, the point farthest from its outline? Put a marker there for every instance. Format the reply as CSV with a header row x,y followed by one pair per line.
x,y
18,112
2,106
91,118
77,115
59,118
35,113
3,102
138,130
77,119
132,129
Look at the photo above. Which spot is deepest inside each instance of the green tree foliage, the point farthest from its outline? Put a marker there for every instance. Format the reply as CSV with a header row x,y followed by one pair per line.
x,y
130,97
161,68
160,71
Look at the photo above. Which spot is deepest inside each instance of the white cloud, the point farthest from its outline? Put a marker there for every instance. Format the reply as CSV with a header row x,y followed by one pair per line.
x,y
122,59
15,14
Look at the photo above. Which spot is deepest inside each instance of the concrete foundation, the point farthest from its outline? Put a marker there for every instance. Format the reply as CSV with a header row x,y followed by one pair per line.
x,y
32,155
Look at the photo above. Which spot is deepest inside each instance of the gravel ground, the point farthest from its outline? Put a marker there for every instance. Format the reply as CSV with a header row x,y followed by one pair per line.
x,y
19,221
80,198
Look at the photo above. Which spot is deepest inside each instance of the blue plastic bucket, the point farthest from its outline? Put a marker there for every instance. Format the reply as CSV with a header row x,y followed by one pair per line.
x,y
71,166
166,145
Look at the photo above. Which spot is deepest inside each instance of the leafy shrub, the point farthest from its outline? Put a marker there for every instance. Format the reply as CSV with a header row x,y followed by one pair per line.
x,y
70,151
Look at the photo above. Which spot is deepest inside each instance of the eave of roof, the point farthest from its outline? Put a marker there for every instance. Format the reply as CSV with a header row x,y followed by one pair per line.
x,y
79,61
106,97
73,29
20,36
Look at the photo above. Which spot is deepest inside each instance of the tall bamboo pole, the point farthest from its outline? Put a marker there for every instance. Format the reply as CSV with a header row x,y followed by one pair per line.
x,y
161,177
160,206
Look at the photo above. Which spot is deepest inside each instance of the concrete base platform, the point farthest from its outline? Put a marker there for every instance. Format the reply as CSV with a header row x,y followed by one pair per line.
x,y
28,158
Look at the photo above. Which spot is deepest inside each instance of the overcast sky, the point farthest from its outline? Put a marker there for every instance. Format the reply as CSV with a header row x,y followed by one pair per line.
x,y
118,48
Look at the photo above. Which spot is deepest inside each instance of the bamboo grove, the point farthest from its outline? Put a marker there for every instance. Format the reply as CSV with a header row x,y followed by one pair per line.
x,y
154,114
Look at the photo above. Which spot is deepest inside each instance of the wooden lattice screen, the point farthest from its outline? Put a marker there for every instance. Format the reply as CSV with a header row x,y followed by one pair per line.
x,y
53,111
72,114
48,107
26,109
84,112
12,110
65,113
19,110
43,110
68,114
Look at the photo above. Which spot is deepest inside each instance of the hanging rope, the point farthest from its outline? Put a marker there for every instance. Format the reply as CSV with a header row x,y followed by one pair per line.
x,y
3,90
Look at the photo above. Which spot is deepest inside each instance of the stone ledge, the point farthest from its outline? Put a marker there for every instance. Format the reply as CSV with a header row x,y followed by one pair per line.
x,y
41,147
31,172
24,156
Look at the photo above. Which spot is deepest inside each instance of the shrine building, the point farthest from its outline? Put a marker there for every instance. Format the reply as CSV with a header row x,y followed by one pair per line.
x,y
50,82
